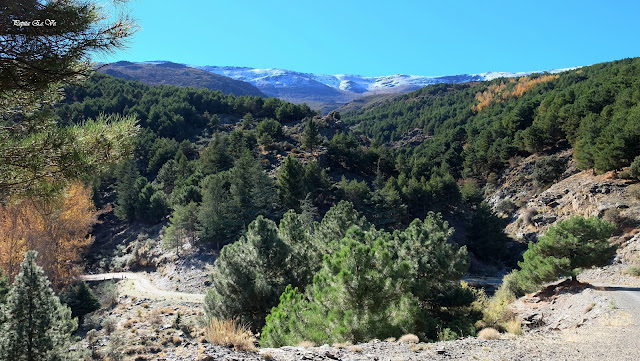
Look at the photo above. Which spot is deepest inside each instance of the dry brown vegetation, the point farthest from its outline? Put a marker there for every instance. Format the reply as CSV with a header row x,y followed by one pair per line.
x,y
230,333
515,87
57,227
409,338
489,334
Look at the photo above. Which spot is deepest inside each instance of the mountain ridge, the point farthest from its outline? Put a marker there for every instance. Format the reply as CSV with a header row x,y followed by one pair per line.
x,y
169,73
328,92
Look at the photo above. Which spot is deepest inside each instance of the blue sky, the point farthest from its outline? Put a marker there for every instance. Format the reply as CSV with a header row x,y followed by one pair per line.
x,y
385,37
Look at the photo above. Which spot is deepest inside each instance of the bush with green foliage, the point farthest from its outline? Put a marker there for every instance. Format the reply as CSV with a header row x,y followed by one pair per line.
x,y
268,131
36,326
376,285
548,170
563,250
634,168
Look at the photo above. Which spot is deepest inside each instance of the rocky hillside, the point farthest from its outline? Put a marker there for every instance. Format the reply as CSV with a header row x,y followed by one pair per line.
x,y
532,208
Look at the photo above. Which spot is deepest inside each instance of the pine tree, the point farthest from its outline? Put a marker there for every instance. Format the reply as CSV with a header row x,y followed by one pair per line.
x,y
249,276
215,213
36,326
311,135
37,152
566,247
79,297
290,183
183,225
126,192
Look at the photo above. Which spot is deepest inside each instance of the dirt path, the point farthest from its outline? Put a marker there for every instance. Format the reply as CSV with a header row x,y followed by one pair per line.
x,y
137,285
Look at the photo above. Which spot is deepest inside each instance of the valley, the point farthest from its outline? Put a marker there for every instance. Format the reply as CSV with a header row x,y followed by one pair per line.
x,y
172,211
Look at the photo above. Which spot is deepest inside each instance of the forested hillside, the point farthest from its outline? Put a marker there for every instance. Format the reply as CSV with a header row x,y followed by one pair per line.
x,y
474,129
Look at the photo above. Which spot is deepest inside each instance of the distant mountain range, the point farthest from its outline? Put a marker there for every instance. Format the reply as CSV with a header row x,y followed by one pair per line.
x,y
340,89
169,73
323,92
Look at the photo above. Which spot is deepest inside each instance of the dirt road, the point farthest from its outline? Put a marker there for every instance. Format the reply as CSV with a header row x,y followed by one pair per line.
x,y
138,285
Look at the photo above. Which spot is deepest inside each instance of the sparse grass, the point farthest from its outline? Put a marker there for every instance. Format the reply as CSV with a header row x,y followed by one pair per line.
x,y
230,333
355,348
634,271
109,325
306,344
341,345
409,338
390,339
489,333
612,305
420,347
513,326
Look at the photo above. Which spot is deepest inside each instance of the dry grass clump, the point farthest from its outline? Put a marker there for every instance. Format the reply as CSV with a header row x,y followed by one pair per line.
x,y
267,356
513,326
390,339
634,271
355,348
409,338
341,345
489,333
420,347
306,344
230,333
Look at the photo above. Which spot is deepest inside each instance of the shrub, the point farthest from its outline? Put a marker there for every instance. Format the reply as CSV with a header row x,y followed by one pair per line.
x,y
409,338
108,294
305,344
634,168
489,334
506,207
529,214
513,326
634,271
634,191
548,170
230,333
612,215
109,325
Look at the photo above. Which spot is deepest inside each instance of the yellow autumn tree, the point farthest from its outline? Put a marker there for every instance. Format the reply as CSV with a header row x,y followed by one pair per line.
x,y
56,227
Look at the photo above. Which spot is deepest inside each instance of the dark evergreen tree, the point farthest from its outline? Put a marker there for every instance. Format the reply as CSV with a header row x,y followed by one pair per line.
x,y
565,248
183,227
216,212
36,326
79,297
311,135
249,275
485,234
127,190
291,187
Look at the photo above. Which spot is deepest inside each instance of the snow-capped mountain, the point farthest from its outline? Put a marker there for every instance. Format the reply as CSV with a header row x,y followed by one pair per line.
x,y
328,92
341,88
